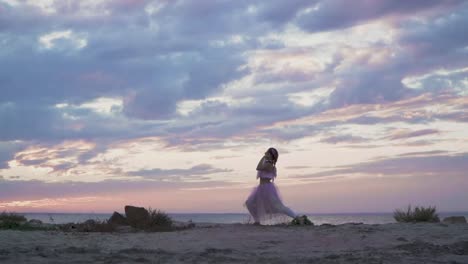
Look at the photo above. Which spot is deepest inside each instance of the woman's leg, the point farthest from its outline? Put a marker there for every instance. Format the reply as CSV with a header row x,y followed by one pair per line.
x,y
252,207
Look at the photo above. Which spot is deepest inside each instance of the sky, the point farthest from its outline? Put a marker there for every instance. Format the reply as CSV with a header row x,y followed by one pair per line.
x,y
170,104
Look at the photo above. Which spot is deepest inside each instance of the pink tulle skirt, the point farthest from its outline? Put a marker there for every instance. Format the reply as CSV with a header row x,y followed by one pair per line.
x,y
265,205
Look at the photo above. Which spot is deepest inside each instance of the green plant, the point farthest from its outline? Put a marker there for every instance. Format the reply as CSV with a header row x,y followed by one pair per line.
x,y
13,217
159,219
301,220
11,220
19,222
418,214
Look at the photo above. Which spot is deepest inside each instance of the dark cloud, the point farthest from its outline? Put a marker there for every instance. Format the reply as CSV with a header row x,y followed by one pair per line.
x,y
339,14
7,152
280,12
461,116
440,36
230,121
374,86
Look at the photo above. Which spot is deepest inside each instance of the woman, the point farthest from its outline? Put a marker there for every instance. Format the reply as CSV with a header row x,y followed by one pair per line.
x,y
264,202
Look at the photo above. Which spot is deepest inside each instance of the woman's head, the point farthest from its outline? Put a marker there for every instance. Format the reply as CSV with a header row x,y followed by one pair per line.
x,y
273,154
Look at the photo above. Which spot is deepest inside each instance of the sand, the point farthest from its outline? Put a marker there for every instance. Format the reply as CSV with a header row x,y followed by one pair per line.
x,y
240,243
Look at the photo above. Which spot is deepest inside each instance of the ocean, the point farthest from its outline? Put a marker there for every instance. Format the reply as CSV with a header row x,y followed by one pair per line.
x,y
230,218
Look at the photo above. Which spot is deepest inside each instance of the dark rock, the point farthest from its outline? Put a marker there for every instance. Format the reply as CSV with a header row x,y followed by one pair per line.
x,y
191,224
455,220
35,222
89,222
68,227
137,216
117,219
87,226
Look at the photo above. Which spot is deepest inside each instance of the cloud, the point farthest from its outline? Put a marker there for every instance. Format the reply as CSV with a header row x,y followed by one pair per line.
x,y
412,110
424,153
151,69
66,38
7,152
454,165
198,172
47,202
34,189
343,139
404,134
279,12
58,157
210,75
436,37
336,14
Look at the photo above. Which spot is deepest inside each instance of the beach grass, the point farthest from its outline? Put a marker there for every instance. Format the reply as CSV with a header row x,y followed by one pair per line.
x,y
10,220
11,217
416,214
15,221
159,221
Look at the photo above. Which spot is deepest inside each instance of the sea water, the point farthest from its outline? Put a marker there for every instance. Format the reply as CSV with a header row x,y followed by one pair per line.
x,y
230,218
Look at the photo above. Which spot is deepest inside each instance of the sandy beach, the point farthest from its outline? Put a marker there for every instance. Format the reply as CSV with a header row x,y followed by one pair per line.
x,y
240,243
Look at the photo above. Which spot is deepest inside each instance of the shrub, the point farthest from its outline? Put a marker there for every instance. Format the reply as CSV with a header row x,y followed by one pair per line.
x,y
419,214
159,221
12,217
11,220
19,222
301,220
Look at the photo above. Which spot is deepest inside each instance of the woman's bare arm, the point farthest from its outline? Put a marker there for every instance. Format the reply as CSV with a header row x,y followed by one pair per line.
x,y
265,164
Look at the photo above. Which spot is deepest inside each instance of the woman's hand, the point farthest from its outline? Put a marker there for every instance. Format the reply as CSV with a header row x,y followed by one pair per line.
x,y
266,164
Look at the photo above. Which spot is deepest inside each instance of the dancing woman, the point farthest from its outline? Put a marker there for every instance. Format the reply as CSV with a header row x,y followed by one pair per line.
x,y
264,202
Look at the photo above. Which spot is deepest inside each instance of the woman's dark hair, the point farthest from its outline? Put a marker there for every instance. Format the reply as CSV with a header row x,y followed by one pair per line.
x,y
274,154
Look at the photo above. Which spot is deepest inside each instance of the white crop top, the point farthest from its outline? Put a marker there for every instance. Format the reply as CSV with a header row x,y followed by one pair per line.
x,y
266,174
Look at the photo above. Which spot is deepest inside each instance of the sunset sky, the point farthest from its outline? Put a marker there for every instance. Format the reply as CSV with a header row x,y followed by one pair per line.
x,y
170,104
